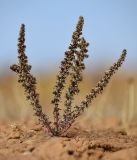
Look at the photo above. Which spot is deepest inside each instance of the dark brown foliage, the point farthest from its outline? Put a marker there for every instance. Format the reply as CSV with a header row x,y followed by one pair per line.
x,y
72,65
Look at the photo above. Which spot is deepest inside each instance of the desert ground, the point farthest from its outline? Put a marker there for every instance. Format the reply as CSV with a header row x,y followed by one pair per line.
x,y
106,131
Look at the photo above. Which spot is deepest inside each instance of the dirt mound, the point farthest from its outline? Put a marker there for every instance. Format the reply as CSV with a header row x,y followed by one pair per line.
x,y
25,141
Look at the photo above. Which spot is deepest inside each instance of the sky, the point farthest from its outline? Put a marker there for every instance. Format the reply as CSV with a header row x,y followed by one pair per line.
x,y
110,26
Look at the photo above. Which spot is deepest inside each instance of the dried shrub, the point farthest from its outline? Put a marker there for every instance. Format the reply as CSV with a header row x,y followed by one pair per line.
x,y
72,65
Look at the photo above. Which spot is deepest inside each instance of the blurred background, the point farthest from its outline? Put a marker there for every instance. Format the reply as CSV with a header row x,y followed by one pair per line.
x,y
110,27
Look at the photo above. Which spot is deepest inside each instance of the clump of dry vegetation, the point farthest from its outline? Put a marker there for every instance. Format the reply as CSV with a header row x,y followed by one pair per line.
x,y
73,66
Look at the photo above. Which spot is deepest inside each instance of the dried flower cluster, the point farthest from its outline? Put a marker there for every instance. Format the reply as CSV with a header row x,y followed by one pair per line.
x,y
72,65
28,81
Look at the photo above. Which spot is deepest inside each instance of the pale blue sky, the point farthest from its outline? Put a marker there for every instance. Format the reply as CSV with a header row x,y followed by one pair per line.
x,y
110,26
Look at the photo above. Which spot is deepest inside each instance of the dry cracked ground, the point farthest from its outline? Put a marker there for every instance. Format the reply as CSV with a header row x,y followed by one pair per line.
x,y
28,141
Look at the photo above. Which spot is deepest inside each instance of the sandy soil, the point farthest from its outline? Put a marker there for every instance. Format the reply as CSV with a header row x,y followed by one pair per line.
x,y
27,141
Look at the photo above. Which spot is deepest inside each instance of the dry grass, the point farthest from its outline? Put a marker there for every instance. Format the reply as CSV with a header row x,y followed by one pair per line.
x,y
118,100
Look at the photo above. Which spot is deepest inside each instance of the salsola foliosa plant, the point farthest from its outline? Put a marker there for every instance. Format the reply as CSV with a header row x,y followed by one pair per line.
x,y
73,66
